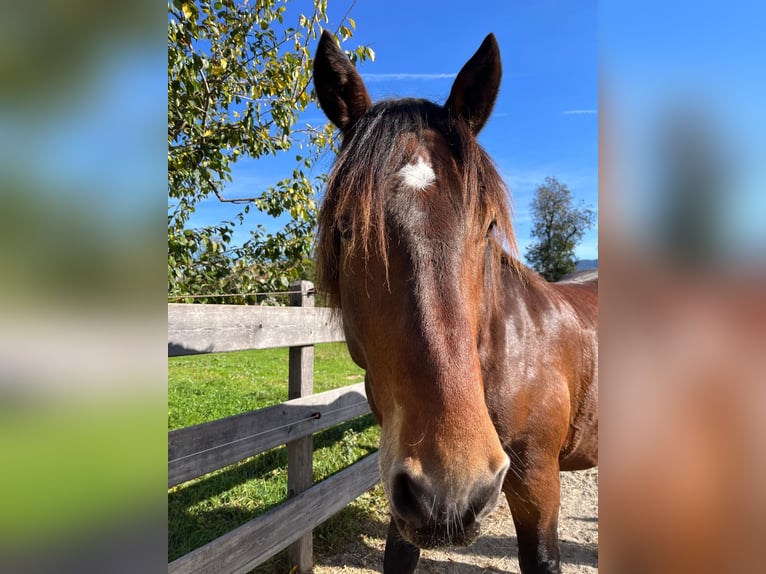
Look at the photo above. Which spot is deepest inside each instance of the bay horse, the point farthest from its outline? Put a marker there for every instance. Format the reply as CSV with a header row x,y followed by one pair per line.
x,y
482,376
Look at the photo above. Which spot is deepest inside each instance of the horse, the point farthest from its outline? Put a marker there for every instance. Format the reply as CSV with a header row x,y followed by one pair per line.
x,y
482,375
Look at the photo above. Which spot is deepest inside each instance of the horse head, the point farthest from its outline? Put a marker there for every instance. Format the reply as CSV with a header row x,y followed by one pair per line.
x,y
411,233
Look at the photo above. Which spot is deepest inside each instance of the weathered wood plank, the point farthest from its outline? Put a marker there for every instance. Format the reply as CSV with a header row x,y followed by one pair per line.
x,y
242,549
197,450
194,329
300,452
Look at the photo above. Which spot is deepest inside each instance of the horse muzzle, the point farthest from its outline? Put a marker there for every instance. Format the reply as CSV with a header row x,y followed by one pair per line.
x,y
430,515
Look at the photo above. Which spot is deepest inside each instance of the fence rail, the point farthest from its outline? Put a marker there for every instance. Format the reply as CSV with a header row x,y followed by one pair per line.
x,y
247,546
207,328
200,449
197,450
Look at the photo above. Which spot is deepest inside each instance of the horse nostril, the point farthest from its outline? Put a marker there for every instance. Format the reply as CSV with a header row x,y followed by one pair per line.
x,y
483,496
410,500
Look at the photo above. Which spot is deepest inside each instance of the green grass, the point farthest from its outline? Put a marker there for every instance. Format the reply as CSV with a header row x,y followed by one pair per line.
x,y
204,388
208,387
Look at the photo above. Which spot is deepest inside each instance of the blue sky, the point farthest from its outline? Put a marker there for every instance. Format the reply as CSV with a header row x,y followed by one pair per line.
x,y
704,61
545,119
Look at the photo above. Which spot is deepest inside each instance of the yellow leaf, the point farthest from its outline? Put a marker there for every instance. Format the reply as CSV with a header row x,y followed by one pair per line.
x,y
187,10
224,63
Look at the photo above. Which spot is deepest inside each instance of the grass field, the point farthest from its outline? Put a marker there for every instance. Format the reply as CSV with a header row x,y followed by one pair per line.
x,y
207,387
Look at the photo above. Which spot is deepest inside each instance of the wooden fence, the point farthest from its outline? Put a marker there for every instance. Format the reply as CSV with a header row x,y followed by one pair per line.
x,y
200,449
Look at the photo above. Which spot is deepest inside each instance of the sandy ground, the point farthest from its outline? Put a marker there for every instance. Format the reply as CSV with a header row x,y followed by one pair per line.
x,y
495,550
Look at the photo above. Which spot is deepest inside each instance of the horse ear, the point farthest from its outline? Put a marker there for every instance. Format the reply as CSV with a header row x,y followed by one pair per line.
x,y
475,89
339,86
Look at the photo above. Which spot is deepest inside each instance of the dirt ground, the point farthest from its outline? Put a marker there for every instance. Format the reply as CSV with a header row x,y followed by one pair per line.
x,y
495,550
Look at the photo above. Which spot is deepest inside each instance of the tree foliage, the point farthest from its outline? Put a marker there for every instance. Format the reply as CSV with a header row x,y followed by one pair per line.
x,y
558,227
238,78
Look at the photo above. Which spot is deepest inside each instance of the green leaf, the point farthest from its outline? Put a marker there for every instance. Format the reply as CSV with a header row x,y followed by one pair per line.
x,y
188,9
237,81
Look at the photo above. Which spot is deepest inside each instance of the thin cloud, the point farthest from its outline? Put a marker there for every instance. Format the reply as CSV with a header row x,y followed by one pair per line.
x,y
404,76
579,112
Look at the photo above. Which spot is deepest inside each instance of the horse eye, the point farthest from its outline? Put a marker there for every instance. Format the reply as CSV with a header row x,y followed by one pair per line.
x,y
491,228
344,227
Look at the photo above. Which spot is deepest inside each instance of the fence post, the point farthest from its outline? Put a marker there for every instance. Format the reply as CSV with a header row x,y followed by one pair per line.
x,y
300,452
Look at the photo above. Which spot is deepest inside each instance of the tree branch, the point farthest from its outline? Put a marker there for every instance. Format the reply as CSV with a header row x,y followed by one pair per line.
x,y
222,199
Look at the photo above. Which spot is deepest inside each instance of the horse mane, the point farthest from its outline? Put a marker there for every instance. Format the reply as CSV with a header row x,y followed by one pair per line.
x,y
371,153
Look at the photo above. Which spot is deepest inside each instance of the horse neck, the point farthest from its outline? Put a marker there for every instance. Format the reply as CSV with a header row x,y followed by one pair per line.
x,y
525,298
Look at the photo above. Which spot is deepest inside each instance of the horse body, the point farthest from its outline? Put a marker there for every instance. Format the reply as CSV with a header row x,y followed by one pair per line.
x,y
541,365
540,377
482,375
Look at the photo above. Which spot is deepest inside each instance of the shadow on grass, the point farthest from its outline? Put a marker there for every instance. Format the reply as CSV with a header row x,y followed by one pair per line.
x,y
204,509
347,529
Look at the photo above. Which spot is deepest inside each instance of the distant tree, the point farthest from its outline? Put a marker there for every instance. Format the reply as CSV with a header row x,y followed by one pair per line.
x,y
558,227
238,77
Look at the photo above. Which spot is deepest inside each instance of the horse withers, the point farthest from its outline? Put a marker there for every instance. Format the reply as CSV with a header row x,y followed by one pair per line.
x,y
482,375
